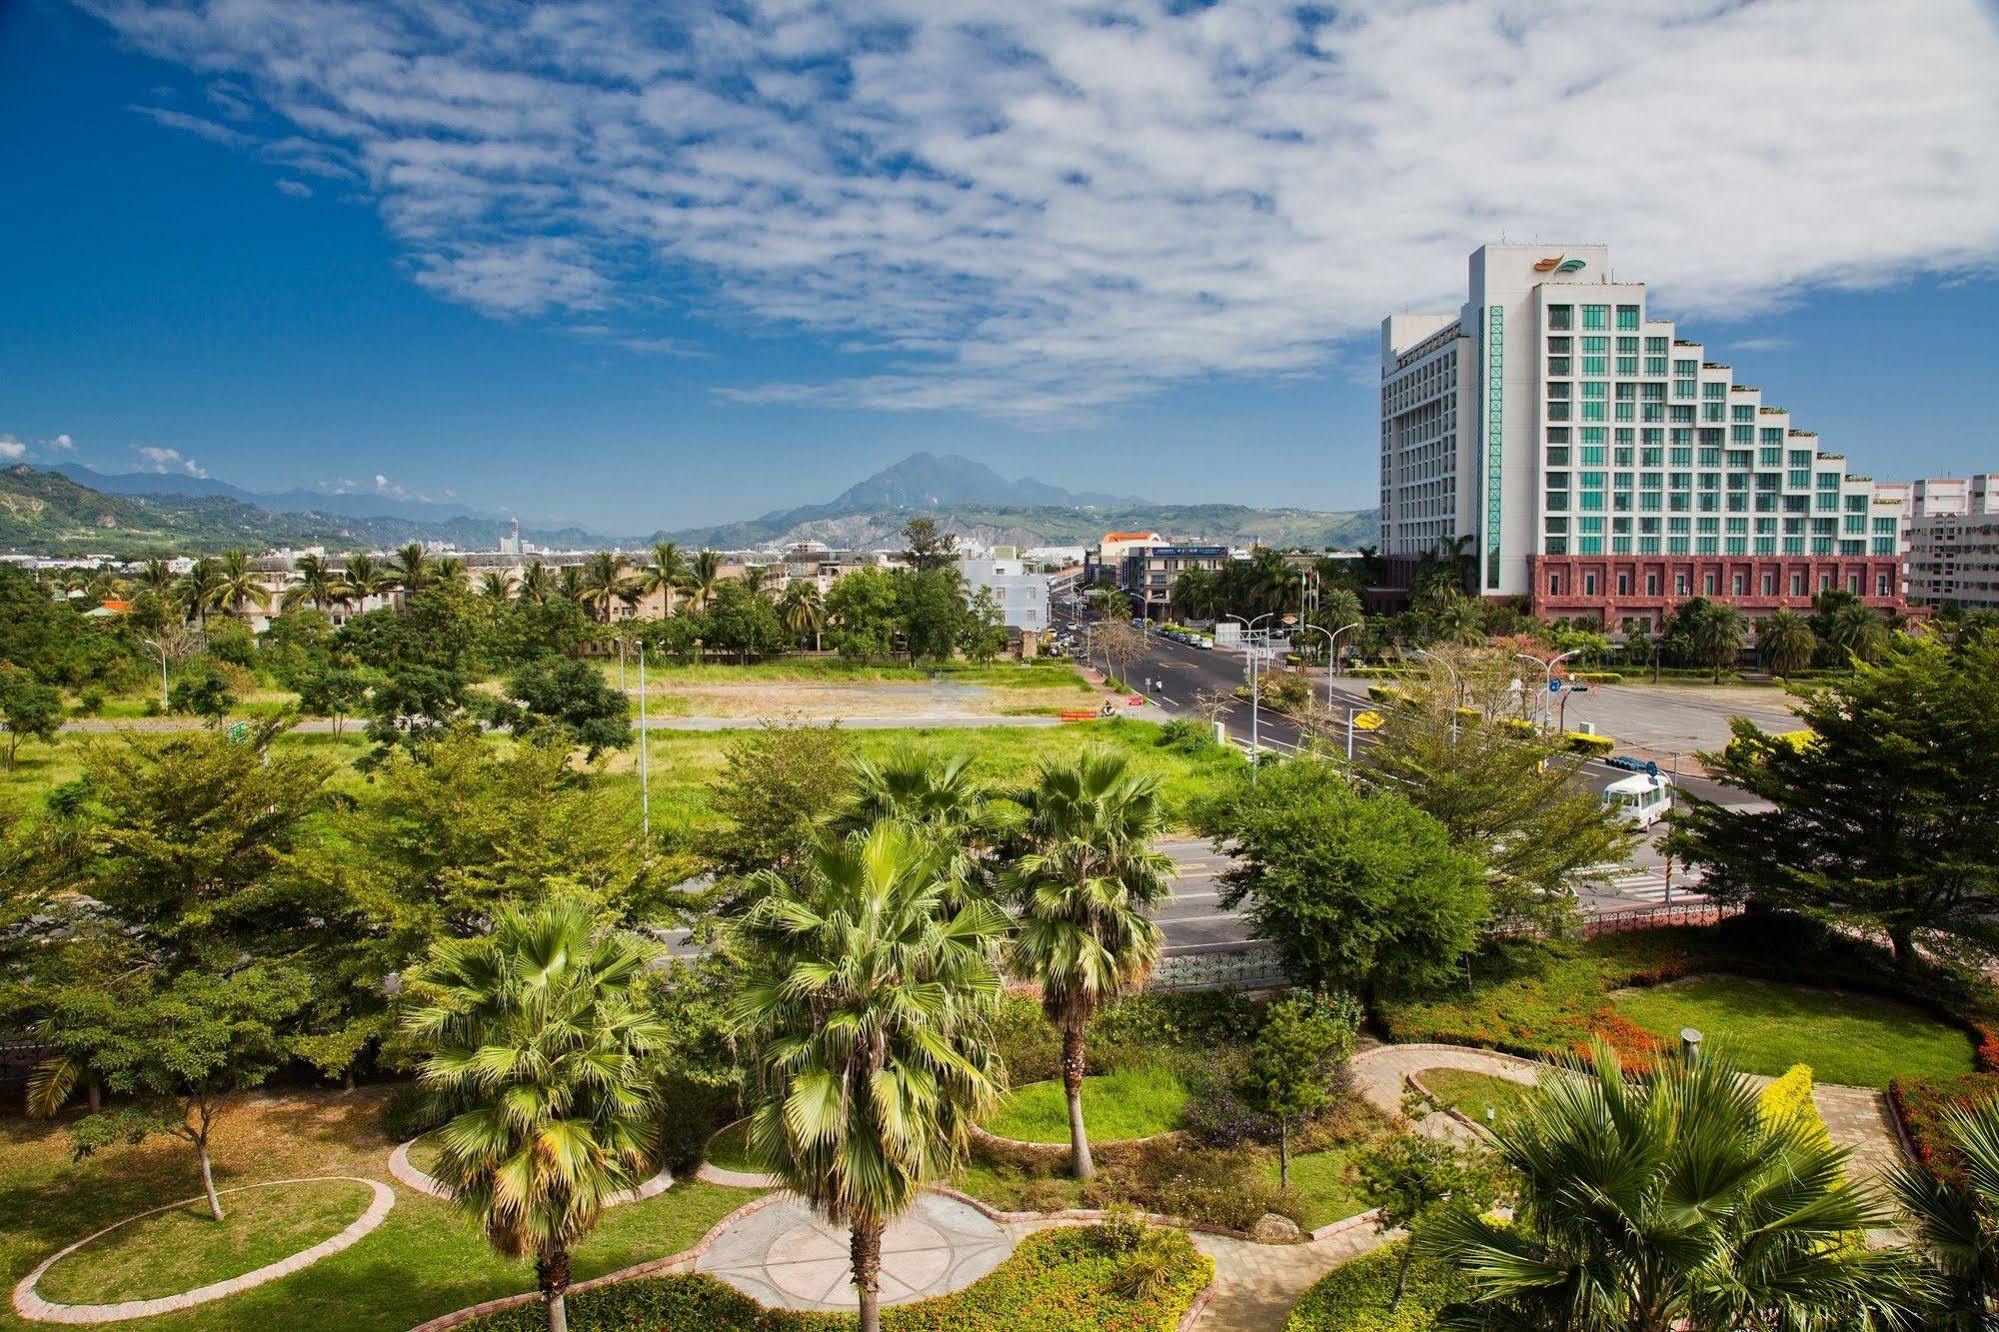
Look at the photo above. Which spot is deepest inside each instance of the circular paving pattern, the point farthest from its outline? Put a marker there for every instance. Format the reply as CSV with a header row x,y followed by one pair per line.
x,y
784,1255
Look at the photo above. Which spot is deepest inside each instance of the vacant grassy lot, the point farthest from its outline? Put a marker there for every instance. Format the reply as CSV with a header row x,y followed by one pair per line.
x,y
424,1260
1130,1103
1860,1040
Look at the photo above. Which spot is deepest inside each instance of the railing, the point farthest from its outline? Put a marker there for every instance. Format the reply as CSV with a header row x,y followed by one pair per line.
x,y
1666,913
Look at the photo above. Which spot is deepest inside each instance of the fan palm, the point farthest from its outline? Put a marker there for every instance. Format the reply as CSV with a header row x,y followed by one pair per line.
x,y
450,569
1857,631
664,575
704,575
538,584
318,584
605,581
538,1038
364,578
412,568
1953,1214
1787,643
199,590
802,611
1672,1201
157,577
1083,896
934,796
570,585
497,584
866,1020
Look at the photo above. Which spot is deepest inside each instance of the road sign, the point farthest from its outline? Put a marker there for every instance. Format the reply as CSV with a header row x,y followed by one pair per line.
x,y
1368,721
1554,686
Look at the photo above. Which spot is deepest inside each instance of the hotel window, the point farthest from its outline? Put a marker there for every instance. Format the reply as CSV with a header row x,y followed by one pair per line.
x,y
1623,584
1558,346
1801,457
1684,388
1769,436
1651,585
1561,316
1595,390
1589,580
1655,347
1655,365
1652,456
1595,365
1714,390
1713,411
1558,365
1769,583
1798,480
1739,585
1596,316
1681,436
1883,585
1687,368
1797,585
1627,317
1554,585
1743,413
1593,456
1558,455
1681,415
1711,583
1627,365
1680,456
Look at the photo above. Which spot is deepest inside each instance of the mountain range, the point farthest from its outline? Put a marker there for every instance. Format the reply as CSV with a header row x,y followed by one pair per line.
x,y
73,509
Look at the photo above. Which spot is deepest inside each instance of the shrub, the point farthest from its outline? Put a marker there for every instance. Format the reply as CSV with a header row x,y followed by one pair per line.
x,y
1217,1111
1596,677
90,702
1355,1297
410,1112
1919,1103
1791,1095
1596,746
1183,735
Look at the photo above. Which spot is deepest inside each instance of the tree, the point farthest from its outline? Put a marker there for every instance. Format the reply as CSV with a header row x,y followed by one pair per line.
x,y
983,634
238,585
1786,643
933,794
605,582
319,584
1121,643
1083,895
774,785
704,575
537,584
930,603
199,590
664,573
1952,1208
334,692
568,697
861,607
1506,794
740,621
1408,1178
1856,631
178,1047
801,612
1669,1200
362,578
414,702
929,550
497,585
1884,815
538,1038
1357,890
29,709
412,569
866,1019
1303,1043
1705,633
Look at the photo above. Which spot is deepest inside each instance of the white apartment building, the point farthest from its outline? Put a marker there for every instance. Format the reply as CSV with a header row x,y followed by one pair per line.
x,y
1021,593
1953,541
1598,464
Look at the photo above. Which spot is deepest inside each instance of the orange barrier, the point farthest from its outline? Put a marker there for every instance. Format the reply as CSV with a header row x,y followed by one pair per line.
x,y
1079,714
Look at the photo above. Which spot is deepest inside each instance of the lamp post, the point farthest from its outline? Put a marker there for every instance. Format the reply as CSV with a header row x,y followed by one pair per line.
x,y
1357,624
1547,677
645,786
1252,659
1457,690
161,648
1313,628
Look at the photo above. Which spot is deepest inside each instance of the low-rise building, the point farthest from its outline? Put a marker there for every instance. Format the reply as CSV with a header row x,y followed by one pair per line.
x,y
1150,572
1022,593
1953,539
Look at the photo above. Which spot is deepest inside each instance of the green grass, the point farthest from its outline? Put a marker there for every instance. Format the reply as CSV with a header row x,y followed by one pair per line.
x,y
173,1251
1472,1094
1859,1040
1049,673
727,1150
426,1259
1130,1103
1319,1181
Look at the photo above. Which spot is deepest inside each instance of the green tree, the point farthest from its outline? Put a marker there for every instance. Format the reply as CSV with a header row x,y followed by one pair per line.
x,y
1409,1178
1786,643
1084,893
1884,814
802,612
866,1021
1856,631
983,633
361,578
318,586
740,621
569,698
334,692
178,1047
930,604
704,575
414,703
929,549
538,1037
1671,1201
861,607
775,784
28,709
412,569
497,585
665,573
1297,1053
1705,633
238,585
1358,891
606,581
1952,1209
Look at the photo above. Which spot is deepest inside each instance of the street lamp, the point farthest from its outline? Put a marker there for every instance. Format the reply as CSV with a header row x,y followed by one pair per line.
x,y
1457,690
1357,624
161,648
1315,629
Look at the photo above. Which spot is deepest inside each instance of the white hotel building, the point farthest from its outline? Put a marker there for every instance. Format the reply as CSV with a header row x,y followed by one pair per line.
x,y
1604,467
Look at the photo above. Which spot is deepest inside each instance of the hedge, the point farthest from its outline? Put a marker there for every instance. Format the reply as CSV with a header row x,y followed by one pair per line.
x,y
1355,1297
1596,746
1075,1279
1596,677
1791,1095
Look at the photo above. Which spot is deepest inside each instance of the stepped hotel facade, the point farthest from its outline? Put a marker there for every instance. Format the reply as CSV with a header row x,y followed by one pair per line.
x,y
1601,465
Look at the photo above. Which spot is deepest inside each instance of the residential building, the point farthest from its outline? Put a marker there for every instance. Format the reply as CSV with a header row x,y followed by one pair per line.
x,y
1104,563
1597,465
1021,592
1149,573
1953,541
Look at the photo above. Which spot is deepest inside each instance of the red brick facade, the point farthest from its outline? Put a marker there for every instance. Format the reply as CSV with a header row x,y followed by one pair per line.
x,y
1613,588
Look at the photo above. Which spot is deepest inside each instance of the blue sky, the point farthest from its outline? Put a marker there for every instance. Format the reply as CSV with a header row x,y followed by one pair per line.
x,y
582,261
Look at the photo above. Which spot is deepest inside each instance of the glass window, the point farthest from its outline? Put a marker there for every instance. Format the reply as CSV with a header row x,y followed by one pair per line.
x,y
1714,391
1596,316
1655,347
1558,365
1561,316
1743,412
1627,365
1687,368
1559,345
1655,365
1596,365
1627,317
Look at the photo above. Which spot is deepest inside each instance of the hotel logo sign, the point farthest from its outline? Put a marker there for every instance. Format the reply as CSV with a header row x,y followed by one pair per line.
x,y
1559,264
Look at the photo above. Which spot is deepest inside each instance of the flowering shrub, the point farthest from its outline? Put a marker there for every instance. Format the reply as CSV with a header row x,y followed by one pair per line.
x,y
1919,1103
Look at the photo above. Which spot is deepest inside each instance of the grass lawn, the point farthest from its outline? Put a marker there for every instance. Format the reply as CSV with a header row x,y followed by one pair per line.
x,y
1860,1040
1472,1094
169,1252
1319,1181
1130,1103
425,1259
727,1150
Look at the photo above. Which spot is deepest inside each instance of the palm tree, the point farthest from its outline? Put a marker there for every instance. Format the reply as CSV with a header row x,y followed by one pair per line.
x,y
570,585
199,590
866,1018
1717,636
238,585
801,610
665,574
936,797
450,569
604,582
1857,631
157,577
364,578
1083,896
1953,1214
1787,643
412,569
318,583
540,1039
756,578
703,577
537,584
497,584
1670,1200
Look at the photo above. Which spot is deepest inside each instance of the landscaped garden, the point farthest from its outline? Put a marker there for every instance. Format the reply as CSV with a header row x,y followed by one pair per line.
x,y
1479,1097
1132,1102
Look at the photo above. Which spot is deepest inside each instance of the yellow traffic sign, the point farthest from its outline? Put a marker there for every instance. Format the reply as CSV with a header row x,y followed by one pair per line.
x,y
1368,721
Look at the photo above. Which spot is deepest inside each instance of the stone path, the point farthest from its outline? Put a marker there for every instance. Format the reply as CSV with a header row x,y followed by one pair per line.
x,y
32,1306
785,1256
1256,1285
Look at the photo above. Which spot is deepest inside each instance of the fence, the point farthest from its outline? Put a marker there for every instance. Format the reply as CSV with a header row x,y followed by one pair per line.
x,y
1653,917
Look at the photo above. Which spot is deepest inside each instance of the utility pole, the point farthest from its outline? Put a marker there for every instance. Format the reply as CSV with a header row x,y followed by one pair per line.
x,y
645,786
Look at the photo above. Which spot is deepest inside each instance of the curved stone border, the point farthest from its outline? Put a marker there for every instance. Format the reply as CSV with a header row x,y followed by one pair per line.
x,y
410,1177
32,1306
731,1179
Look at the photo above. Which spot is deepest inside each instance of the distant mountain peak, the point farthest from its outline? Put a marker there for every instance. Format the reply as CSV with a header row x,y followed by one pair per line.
x,y
927,480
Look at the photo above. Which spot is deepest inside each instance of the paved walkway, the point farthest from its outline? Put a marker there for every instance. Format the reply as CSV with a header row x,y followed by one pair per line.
x,y
1256,1285
785,1256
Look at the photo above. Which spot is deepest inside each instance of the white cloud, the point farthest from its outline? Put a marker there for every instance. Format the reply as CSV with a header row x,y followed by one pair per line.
x,y
168,460
11,449
296,189
62,443
1760,344
1039,210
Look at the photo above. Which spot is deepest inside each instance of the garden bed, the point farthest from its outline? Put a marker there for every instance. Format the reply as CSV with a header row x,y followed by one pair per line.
x,y
1075,1279
1356,1296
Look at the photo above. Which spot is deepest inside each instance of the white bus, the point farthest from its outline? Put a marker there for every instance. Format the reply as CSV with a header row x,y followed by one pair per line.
x,y
1641,799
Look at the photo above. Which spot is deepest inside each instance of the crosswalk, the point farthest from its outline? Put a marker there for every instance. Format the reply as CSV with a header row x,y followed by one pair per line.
x,y
1649,886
